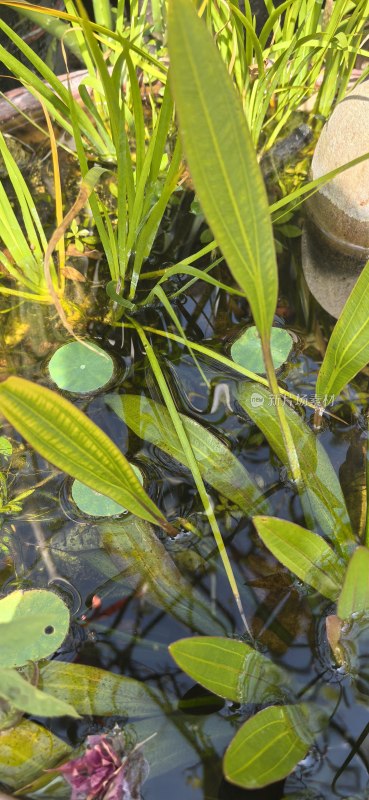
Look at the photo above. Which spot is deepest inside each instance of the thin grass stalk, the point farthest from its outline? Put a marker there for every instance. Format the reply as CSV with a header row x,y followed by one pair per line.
x,y
150,227
58,197
286,433
191,460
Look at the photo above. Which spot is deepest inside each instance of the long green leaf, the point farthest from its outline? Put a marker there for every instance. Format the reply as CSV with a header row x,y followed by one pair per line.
x,y
348,348
354,597
94,691
222,160
67,438
128,543
231,669
321,495
22,695
269,745
304,553
217,464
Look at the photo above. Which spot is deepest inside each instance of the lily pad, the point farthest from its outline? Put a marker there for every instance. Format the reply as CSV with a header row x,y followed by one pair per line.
x,y
80,368
95,504
246,350
33,625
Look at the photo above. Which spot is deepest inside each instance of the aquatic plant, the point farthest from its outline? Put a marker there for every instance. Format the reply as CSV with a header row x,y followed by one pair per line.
x,y
323,555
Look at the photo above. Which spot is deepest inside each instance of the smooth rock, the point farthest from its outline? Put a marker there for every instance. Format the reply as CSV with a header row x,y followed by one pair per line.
x,y
335,242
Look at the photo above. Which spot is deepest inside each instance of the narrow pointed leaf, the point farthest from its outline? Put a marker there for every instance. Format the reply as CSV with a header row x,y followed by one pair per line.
x,y
269,745
348,348
67,438
354,597
231,669
22,695
321,494
217,464
222,159
306,554
133,546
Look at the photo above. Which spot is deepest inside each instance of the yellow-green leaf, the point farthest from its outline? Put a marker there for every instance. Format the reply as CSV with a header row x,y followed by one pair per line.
x,y
231,669
354,597
217,464
33,624
27,750
21,694
94,691
66,437
321,494
269,745
348,348
304,553
222,159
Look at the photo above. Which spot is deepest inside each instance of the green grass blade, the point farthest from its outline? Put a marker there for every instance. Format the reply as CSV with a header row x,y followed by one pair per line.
x,y
222,160
193,466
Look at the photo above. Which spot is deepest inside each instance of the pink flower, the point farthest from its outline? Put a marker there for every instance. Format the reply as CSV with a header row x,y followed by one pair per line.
x,y
104,772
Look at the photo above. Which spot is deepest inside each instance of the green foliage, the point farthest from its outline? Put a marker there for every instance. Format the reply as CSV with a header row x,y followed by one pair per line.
x,y
300,45
97,692
348,348
26,751
304,553
129,542
217,464
222,160
95,504
25,244
68,439
33,625
80,369
23,696
321,495
231,669
269,745
247,351
354,597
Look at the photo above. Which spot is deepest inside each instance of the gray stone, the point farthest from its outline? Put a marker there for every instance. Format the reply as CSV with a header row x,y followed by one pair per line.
x,y
335,244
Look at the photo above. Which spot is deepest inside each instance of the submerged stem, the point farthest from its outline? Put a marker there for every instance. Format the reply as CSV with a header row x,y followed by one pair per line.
x,y
286,433
193,466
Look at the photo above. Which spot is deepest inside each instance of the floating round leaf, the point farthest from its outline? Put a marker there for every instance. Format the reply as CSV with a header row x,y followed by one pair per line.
x,y
246,350
79,368
95,504
33,625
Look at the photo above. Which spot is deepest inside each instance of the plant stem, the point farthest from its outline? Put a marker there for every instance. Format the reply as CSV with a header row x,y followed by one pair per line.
x,y
286,433
194,467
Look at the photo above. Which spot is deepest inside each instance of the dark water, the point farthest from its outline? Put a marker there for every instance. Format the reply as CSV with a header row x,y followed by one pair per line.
x,y
51,543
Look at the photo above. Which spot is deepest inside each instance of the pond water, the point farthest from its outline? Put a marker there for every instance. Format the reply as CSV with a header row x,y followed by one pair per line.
x,y
124,618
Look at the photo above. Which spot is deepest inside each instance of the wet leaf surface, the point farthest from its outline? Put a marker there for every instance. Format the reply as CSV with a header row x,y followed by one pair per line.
x,y
231,669
33,625
217,464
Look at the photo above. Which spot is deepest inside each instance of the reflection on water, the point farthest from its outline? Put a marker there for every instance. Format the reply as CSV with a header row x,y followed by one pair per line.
x,y
133,593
